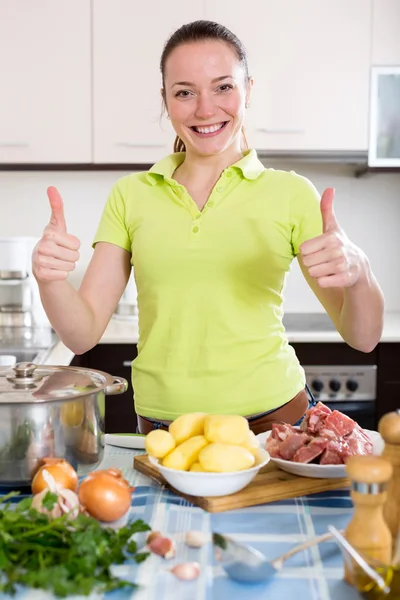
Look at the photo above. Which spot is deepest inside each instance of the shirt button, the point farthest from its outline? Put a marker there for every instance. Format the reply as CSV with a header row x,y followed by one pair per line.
x,y
195,229
229,174
219,189
210,204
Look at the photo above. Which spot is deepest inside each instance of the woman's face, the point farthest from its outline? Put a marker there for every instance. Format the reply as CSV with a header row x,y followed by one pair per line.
x,y
205,95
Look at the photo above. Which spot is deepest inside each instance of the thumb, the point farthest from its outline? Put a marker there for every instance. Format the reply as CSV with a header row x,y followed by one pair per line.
x,y
57,218
328,216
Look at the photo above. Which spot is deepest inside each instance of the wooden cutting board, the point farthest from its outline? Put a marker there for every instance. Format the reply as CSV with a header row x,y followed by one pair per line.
x,y
269,485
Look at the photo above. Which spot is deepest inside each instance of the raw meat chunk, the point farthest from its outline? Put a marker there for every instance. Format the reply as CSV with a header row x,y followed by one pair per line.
x,y
328,436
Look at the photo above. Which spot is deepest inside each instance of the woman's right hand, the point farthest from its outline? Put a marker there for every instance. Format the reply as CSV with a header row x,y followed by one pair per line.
x,y
56,253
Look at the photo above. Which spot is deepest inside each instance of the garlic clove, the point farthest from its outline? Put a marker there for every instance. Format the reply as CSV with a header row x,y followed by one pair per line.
x,y
196,539
69,503
152,535
162,546
186,571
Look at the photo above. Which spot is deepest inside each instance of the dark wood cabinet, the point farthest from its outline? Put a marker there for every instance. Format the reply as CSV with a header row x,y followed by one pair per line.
x,y
388,377
335,353
114,359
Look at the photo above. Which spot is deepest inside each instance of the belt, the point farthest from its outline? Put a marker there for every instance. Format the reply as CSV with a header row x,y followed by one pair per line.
x,y
290,412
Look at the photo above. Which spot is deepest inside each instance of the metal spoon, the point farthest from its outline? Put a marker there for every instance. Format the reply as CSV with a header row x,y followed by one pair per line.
x,y
246,564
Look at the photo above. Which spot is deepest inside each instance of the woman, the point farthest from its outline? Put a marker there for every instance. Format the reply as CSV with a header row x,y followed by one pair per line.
x,y
211,234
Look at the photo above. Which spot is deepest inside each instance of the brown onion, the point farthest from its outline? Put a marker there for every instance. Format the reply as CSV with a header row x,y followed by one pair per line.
x,y
64,474
105,495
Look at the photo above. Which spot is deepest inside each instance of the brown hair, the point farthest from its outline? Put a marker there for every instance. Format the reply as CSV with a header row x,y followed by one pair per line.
x,y
199,31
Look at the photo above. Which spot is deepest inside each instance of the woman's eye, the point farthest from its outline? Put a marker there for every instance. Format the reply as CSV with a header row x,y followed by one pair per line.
x,y
225,87
182,94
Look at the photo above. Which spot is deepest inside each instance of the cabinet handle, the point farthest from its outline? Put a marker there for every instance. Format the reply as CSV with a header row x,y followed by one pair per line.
x,y
281,131
137,145
13,145
127,363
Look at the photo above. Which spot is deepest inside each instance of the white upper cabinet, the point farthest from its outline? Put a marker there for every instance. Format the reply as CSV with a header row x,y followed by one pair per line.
x,y
386,33
311,64
128,39
45,98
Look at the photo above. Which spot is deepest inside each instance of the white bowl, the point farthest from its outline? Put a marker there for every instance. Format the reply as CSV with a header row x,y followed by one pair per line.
x,y
320,471
197,483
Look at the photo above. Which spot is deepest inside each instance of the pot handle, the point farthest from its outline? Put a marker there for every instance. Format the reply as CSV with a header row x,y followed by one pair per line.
x,y
119,386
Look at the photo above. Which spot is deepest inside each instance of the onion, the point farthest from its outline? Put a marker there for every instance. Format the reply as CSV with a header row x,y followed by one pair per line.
x,y
63,473
105,495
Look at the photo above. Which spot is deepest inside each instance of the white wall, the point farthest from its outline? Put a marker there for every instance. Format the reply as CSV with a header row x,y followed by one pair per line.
x,y
368,209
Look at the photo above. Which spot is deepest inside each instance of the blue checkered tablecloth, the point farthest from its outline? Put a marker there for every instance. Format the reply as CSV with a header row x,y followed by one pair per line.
x,y
315,574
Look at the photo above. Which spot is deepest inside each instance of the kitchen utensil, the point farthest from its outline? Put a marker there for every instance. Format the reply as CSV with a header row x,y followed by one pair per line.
x,y
389,428
51,411
246,564
315,470
210,484
135,441
367,530
362,573
269,485
14,315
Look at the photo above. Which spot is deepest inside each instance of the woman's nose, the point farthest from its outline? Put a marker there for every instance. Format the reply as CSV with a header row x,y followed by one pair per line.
x,y
205,107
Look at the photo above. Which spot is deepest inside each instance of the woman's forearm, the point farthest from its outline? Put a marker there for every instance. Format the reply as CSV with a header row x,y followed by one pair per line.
x,y
361,316
70,315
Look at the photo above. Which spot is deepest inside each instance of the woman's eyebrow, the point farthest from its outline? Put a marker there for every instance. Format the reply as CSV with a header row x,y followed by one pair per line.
x,y
189,83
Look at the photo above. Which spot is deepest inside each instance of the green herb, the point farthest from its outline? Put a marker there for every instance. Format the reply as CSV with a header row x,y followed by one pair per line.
x,y
63,556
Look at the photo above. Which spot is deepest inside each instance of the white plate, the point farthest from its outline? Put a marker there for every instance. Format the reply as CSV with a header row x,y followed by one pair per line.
x,y
320,471
134,441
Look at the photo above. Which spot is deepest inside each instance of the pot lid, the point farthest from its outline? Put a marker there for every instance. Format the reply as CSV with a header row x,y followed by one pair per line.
x,y
26,383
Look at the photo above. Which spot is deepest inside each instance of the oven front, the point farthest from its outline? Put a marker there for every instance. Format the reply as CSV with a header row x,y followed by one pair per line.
x,y
350,389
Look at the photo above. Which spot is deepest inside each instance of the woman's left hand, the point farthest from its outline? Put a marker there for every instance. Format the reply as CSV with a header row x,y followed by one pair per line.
x,y
331,258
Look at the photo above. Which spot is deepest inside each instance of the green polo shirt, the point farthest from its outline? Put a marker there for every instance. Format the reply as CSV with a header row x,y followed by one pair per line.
x,y
210,285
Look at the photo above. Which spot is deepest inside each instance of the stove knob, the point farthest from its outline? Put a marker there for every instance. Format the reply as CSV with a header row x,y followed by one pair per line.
x,y
317,385
352,385
334,384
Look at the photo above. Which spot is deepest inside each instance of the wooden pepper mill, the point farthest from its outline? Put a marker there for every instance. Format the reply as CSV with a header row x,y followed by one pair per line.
x,y
389,428
368,532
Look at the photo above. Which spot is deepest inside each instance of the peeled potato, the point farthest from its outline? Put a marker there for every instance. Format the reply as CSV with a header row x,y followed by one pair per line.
x,y
196,466
184,455
187,426
159,443
228,429
221,458
252,443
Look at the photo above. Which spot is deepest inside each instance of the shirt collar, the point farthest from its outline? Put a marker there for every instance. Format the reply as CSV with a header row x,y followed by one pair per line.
x,y
249,166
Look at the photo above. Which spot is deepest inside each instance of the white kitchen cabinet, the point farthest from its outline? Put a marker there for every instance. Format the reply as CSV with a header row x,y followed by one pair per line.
x,y
386,33
311,63
45,99
128,38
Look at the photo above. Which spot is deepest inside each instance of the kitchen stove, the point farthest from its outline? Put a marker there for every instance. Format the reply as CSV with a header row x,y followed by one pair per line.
x,y
350,388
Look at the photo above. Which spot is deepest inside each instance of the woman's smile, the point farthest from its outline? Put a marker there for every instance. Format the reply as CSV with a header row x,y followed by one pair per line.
x,y
206,131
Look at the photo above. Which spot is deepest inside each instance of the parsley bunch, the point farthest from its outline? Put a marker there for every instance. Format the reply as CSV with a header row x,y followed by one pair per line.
x,y
63,556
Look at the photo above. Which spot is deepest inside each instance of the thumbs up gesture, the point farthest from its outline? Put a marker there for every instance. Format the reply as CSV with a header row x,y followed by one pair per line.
x,y
331,258
56,253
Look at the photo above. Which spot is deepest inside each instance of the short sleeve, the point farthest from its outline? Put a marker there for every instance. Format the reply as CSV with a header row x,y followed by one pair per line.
x,y
112,227
306,219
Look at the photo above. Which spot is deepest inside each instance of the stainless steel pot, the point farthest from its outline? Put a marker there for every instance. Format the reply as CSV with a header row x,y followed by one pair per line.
x,y
51,411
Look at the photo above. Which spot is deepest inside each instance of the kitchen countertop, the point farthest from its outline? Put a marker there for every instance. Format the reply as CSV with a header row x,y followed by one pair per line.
x,y
272,528
125,331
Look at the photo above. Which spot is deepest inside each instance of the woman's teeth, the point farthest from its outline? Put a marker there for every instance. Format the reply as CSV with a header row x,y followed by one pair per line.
x,y
209,129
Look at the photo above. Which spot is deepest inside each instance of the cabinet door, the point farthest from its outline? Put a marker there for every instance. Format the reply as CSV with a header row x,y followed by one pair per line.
x,y
116,359
128,38
386,32
45,98
310,61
